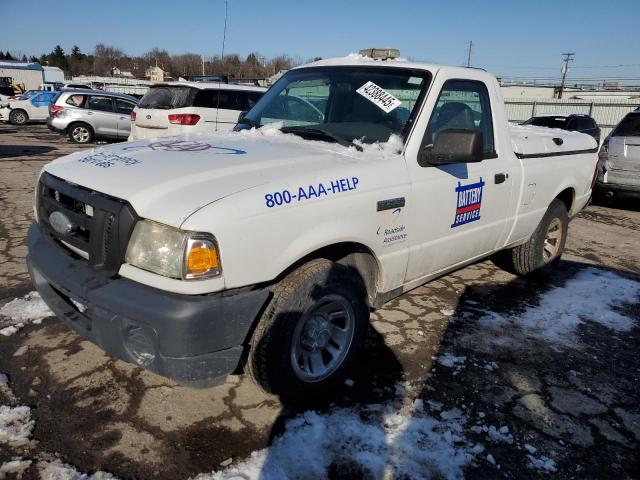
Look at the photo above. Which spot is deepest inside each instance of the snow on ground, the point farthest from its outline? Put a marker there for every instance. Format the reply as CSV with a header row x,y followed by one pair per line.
x,y
16,425
387,445
592,294
20,311
61,471
14,468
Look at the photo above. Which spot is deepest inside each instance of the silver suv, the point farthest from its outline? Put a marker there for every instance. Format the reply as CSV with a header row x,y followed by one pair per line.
x,y
619,166
85,115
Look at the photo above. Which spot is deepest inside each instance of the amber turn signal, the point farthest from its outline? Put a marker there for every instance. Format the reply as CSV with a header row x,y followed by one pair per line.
x,y
201,259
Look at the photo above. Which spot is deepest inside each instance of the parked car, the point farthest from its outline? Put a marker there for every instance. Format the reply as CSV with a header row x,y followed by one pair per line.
x,y
190,107
85,115
30,109
6,93
619,165
576,122
198,256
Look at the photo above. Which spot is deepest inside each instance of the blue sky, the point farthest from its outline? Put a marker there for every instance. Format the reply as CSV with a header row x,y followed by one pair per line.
x,y
507,35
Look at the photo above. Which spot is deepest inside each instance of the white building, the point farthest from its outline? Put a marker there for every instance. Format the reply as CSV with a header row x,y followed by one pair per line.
x,y
154,74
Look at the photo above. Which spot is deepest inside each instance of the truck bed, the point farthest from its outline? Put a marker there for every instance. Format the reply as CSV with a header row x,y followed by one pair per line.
x,y
531,141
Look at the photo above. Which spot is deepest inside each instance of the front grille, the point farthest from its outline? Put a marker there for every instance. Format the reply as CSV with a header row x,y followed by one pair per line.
x,y
102,224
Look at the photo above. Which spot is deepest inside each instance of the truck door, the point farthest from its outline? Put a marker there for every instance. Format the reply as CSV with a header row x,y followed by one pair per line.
x,y
459,211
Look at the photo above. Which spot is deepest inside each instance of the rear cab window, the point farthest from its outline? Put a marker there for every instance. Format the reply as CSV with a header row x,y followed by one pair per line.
x,y
549,122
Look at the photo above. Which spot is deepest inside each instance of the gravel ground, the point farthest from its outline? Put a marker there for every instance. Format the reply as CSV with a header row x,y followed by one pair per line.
x,y
458,344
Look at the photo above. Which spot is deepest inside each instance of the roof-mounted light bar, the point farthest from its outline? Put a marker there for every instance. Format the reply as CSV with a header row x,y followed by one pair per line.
x,y
381,53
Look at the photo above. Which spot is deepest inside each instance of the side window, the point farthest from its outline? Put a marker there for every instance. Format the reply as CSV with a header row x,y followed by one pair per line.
x,y
463,104
37,99
225,99
103,104
123,106
76,100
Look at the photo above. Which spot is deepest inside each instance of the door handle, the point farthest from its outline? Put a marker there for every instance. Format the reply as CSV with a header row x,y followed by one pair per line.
x,y
89,113
501,177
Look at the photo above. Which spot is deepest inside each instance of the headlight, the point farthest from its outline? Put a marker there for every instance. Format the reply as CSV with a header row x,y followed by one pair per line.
x,y
172,252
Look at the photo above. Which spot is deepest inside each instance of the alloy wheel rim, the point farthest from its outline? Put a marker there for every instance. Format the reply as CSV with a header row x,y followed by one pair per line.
x,y
80,134
552,240
322,338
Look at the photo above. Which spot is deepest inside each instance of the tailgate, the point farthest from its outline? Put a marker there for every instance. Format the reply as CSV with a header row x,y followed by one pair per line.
x,y
152,118
624,154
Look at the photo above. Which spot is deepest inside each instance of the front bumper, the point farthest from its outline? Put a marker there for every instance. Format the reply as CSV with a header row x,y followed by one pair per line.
x,y
196,340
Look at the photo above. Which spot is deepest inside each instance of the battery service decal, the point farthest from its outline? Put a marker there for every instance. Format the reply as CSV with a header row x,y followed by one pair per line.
x,y
469,202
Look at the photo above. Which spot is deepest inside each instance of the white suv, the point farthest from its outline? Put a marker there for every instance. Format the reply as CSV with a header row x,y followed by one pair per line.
x,y
191,107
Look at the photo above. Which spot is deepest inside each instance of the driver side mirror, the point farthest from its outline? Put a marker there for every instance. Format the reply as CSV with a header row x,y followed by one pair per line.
x,y
242,114
453,146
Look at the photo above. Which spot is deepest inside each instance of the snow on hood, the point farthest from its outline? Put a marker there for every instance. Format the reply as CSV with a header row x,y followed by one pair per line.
x,y
166,179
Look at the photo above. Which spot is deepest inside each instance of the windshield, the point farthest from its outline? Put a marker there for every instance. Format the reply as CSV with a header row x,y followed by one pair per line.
x,y
350,103
549,122
168,97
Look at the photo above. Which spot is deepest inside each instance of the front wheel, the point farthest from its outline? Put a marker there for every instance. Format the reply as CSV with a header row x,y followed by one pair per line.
x,y
311,334
544,249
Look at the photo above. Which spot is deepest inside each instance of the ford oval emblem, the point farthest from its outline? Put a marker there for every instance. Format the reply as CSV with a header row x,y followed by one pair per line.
x,y
60,223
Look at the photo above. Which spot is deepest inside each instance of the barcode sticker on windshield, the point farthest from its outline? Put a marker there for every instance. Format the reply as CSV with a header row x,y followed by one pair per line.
x,y
379,96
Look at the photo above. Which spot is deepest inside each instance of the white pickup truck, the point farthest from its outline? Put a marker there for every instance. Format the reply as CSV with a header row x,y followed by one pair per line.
x,y
262,251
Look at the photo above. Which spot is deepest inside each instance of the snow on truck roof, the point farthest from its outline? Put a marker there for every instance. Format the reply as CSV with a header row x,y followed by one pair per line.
x,y
212,85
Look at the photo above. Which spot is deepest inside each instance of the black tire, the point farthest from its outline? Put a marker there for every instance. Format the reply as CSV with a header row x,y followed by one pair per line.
x,y
18,117
80,132
271,360
531,257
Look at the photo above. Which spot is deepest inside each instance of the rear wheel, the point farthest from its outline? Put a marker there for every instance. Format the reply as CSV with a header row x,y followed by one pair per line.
x,y
18,117
311,334
80,133
544,249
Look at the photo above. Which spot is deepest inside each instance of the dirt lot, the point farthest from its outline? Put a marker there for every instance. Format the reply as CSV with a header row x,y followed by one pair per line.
x,y
538,377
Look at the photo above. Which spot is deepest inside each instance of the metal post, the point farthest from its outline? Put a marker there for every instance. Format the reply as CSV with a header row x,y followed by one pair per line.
x,y
533,110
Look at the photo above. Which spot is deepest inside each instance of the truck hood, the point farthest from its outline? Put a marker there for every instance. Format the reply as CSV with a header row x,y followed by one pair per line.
x,y
167,179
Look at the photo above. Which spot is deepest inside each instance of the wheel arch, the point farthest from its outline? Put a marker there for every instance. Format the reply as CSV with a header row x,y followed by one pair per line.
x,y
354,255
567,196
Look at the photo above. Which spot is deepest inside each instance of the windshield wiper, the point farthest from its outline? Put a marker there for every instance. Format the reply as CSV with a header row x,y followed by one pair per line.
x,y
319,132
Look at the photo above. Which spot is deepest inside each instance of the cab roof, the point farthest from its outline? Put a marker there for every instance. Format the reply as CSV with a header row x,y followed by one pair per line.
x,y
357,60
211,85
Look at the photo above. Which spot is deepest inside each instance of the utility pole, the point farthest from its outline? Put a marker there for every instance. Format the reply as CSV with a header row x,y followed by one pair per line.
x,y
568,57
202,57
469,53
